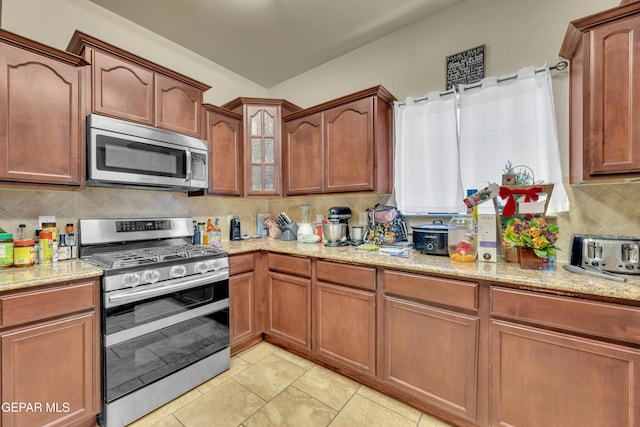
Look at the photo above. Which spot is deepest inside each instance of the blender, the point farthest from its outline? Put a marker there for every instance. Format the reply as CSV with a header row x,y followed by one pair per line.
x,y
305,227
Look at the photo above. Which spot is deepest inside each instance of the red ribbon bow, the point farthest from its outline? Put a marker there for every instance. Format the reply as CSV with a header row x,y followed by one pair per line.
x,y
507,193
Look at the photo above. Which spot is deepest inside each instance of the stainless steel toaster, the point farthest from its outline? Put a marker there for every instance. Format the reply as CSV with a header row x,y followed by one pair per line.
x,y
616,254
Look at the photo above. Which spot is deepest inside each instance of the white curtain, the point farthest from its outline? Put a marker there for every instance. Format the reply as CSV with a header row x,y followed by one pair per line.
x,y
510,119
427,177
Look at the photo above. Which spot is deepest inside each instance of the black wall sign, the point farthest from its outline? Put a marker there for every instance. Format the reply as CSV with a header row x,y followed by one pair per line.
x,y
465,67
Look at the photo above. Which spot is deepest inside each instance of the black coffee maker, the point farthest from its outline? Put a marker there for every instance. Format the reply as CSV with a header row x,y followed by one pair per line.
x,y
234,230
342,215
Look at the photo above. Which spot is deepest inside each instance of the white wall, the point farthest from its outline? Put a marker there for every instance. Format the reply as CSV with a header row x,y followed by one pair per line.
x,y
411,61
53,22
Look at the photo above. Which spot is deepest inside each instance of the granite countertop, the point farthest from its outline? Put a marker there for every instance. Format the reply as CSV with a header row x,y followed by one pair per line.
x,y
558,281
63,271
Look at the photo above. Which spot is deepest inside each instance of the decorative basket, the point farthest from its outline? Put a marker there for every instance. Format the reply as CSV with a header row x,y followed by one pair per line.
x,y
519,201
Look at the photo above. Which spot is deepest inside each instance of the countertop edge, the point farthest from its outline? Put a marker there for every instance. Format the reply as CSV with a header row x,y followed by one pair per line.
x,y
40,275
558,281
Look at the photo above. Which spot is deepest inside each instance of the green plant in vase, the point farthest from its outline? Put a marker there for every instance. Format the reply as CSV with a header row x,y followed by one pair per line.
x,y
534,233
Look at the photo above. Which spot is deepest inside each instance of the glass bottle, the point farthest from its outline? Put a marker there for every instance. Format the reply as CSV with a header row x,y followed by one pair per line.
x,y
461,238
22,232
204,239
217,234
196,233
210,232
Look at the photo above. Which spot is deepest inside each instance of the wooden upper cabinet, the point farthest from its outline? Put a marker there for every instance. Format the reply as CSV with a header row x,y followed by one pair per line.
x,y
262,145
344,145
304,154
128,87
42,120
349,140
604,50
121,89
178,105
224,134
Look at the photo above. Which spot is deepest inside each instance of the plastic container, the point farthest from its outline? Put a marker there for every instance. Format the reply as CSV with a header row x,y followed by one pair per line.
x,y
461,238
6,250
51,226
46,252
24,253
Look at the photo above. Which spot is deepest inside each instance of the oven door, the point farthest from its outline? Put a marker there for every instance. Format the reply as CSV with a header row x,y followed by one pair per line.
x,y
160,333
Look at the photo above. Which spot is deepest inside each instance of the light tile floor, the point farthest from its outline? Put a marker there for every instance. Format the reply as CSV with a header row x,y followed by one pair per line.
x,y
268,386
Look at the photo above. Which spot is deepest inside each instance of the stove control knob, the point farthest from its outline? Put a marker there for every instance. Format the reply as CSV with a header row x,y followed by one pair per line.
x,y
217,264
150,276
130,280
201,267
178,271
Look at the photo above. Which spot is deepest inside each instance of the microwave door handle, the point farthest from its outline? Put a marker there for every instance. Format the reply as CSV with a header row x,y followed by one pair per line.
x,y
187,178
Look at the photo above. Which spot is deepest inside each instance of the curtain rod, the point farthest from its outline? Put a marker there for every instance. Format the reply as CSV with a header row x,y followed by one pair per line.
x,y
561,65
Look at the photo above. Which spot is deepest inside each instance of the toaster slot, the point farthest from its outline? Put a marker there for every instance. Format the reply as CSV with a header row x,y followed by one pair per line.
x,y
629,252
594,250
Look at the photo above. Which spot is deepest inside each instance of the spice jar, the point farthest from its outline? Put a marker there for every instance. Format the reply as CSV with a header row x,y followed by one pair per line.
x,y
24,253
6,250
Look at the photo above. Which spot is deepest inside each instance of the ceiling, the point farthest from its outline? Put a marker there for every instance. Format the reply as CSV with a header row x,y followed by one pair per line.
x,y
270,41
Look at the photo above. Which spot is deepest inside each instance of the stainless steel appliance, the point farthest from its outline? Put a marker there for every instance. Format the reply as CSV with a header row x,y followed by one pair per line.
x,y
334,234
340,215
124,154
165,311
615,254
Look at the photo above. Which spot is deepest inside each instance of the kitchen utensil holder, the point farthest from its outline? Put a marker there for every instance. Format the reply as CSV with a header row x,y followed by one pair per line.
x,y
289,231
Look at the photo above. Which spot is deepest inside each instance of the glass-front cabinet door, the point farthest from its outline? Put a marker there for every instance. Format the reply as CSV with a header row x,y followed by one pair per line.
x,y
263,151
262,143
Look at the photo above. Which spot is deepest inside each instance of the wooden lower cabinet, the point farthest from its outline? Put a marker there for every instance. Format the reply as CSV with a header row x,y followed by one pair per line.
x,y
345,316
474,353
431,352
50,355
290,309
545,378
242,302
561,361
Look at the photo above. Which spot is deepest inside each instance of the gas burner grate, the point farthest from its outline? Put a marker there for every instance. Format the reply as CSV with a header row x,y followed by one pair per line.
x,y
152,255
125,259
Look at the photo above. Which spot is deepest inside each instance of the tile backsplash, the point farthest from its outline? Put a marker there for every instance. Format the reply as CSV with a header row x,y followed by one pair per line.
x,y
24,206
611,209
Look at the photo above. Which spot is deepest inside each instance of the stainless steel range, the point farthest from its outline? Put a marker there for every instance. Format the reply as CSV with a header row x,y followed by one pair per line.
x,y
165,311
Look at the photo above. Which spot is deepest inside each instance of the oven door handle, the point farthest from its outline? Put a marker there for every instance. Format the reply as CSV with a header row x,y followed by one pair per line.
x,y
137,294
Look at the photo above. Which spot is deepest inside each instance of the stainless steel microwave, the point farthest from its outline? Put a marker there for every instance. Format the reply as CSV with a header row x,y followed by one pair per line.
x,y
124,154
